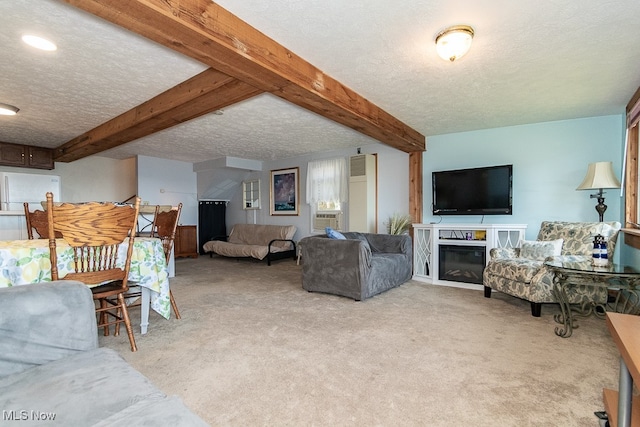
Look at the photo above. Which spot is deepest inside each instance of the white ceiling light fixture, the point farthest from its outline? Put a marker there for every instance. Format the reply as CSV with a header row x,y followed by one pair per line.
x,y
39,43
8,110
454,42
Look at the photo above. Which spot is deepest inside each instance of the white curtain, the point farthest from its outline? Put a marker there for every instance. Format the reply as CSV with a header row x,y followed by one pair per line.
x,y
327,181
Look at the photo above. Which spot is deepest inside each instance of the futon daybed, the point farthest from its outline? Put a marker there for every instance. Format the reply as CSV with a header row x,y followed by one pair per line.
x,y
53,373
258,241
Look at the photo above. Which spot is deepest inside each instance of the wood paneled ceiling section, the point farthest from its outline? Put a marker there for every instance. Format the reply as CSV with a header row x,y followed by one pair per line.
x,y
244,63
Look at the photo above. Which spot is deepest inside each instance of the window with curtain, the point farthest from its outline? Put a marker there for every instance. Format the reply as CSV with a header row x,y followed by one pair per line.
x,y
632,202
327,184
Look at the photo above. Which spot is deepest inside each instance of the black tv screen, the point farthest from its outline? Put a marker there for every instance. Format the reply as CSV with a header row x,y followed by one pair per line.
x,y
477,191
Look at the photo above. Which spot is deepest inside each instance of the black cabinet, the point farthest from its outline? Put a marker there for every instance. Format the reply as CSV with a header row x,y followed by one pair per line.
x,y
211,221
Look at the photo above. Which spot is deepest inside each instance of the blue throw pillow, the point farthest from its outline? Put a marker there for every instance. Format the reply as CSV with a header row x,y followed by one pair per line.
x,y
333,234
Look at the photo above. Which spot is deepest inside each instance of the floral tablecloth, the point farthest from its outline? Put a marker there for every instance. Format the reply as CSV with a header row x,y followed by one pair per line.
x,y
23,262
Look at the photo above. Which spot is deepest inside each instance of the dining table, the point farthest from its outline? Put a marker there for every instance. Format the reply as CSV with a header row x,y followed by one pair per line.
x,y
24,262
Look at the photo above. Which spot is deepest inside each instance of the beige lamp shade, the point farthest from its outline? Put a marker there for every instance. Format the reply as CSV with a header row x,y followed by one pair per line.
x,y
599,175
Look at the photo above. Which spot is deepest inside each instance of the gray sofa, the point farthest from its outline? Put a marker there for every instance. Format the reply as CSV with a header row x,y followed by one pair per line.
x,y
52,371
358,267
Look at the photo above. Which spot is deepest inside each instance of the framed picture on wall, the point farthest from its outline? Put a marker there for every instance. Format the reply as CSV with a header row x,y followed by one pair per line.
x,y
283,192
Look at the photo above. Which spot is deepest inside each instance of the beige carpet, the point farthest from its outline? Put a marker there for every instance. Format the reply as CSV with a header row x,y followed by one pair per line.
x,y
253,348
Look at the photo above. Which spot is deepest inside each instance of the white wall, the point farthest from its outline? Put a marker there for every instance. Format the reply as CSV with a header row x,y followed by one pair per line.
x,y
220,183
549,161
168,182
91,179
393,188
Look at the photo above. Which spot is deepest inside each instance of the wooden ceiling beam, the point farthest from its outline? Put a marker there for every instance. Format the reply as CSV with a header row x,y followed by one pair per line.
x,y
204,93
204,31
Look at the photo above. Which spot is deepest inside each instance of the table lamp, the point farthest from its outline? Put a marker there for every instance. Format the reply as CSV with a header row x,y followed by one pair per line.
x,y
599,176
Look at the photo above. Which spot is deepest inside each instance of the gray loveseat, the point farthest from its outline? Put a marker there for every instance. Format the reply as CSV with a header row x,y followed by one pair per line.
x,y
359,267
53,373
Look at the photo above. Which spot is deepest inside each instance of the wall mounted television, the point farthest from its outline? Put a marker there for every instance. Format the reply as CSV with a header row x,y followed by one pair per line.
x,y
477,191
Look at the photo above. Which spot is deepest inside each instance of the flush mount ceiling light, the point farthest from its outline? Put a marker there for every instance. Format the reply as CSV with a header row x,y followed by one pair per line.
x,y
39,43
8,110
454,42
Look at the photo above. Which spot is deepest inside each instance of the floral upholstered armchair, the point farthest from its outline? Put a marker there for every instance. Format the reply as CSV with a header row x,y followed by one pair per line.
x,y
520,272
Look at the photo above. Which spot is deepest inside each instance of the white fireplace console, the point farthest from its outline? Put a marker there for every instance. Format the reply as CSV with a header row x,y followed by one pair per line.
x,y
473,239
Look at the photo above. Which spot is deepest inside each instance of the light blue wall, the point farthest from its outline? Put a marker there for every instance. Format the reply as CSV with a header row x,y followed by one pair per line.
x,y
549,161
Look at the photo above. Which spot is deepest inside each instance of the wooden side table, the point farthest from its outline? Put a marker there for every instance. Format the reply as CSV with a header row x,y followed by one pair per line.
x,y
186,243
622,408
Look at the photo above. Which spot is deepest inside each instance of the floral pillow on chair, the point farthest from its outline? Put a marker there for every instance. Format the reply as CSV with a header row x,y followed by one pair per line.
x,y
539,250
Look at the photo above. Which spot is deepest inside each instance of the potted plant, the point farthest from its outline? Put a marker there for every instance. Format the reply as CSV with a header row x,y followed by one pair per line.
x,y
399,223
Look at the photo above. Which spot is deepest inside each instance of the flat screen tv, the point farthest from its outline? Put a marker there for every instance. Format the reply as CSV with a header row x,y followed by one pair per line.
x,y
476,191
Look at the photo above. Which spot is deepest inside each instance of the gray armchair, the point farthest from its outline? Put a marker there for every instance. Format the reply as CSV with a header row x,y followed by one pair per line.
x,y
359,267
527,277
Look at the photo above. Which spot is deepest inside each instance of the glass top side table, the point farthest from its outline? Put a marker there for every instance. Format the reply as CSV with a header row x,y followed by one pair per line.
x,y
622,278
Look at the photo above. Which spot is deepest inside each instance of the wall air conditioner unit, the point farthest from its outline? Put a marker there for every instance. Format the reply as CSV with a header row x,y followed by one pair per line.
x,y
322,220
363,193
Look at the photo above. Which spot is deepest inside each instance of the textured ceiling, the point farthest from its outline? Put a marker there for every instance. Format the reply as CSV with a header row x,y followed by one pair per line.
x,y
531,61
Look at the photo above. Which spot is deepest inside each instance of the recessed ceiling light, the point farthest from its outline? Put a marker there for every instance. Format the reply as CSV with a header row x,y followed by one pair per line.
x,y
39,42
8,110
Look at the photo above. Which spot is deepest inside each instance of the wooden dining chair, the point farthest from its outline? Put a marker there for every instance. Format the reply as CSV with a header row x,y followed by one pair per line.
x,y
95,231
38,221
164,228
